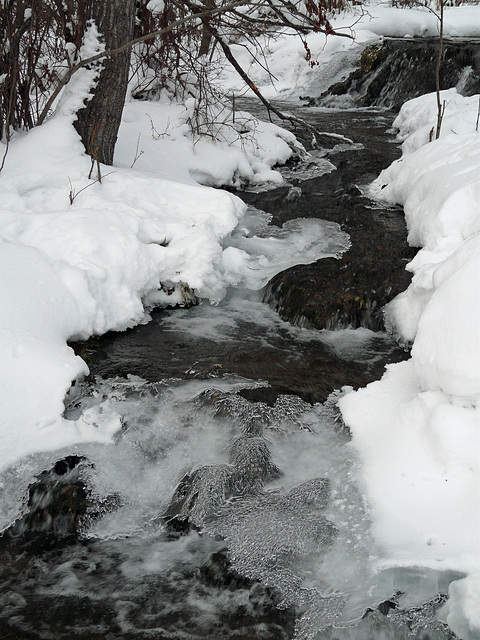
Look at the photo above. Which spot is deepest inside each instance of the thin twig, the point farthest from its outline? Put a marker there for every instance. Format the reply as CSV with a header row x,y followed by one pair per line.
x,y
137,153
8,144
440,110
72,195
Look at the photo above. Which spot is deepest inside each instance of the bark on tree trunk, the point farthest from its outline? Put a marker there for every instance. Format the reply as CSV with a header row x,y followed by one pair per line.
x,y
206,35
98,122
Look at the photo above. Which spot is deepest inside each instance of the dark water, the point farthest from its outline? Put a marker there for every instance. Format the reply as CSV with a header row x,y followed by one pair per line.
x,y
268,534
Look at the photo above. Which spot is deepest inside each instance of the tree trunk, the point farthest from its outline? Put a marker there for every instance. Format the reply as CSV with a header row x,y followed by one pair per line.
x,y
206,35
98,122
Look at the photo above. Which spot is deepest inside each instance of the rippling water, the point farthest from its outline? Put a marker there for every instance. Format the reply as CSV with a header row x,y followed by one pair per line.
x,y
297,538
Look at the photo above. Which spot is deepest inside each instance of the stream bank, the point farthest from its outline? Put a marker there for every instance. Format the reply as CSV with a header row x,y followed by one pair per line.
x,y
332,293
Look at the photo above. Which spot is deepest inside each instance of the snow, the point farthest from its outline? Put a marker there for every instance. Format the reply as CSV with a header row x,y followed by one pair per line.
x,y
417,430
438,185
78,90
37,315
461,611
243,149
156,6
420,467
103,256
395,22
450,319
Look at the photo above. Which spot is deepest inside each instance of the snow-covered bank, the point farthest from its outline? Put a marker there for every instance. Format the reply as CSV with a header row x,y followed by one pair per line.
x,y
417,430
286,71
232,151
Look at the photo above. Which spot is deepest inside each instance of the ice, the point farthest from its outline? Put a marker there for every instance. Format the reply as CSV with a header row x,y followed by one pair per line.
x,y
288,413
421,617
266,534
272,249
250,454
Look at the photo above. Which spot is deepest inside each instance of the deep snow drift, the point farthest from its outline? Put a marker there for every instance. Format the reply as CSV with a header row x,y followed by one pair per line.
x,y
417,430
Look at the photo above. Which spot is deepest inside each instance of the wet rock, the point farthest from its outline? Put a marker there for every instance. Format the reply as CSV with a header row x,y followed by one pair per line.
x,y
219,573
58,503
385,606
267,395
396,70
294,194
252,457
336,294
200,493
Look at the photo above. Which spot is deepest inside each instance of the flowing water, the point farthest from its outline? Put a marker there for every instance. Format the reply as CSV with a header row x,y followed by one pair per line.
x,y
229,503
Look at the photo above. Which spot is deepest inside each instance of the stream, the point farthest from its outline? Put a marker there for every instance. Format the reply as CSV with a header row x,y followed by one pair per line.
x,y
229,505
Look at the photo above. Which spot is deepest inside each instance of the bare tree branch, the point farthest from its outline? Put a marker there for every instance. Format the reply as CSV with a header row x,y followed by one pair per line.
x,y
270,107
112,52
440,109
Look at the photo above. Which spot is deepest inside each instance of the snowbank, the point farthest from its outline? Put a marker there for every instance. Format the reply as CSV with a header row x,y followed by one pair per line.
x,y
394,22
439,187
242,149
37,315
73,270
417,430
461,611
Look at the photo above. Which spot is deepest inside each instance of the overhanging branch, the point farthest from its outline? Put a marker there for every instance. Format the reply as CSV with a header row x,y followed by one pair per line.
x,y
112,52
